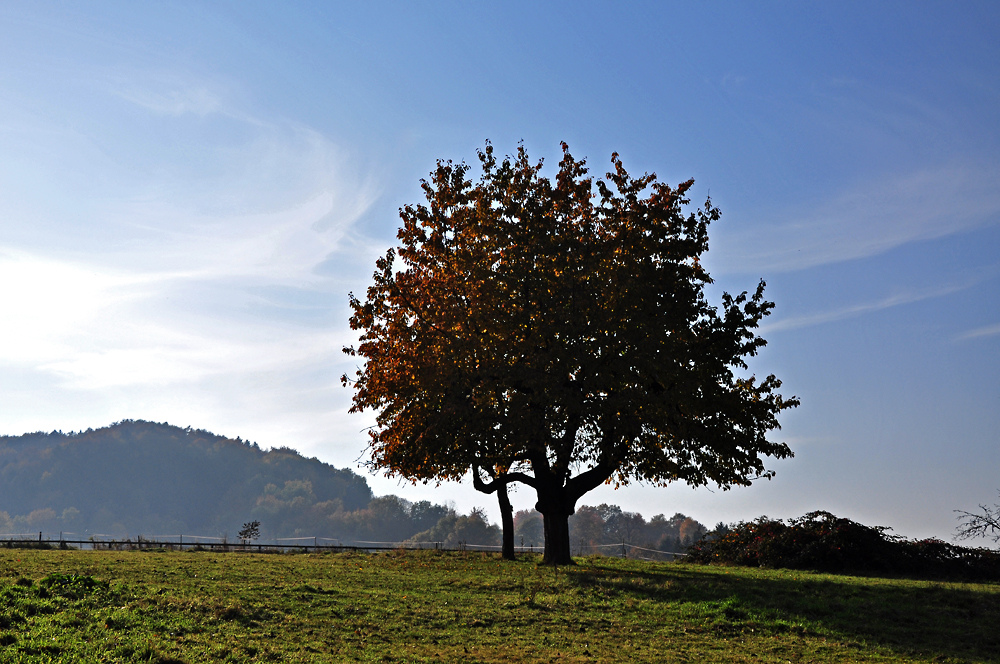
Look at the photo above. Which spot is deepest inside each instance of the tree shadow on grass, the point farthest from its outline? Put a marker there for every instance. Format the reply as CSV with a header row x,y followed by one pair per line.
x,y
909,617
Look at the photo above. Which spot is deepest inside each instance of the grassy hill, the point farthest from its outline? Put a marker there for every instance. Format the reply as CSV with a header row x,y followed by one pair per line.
x,y
433,607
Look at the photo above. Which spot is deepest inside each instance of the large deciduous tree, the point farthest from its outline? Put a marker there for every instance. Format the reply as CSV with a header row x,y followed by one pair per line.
x,y
556,333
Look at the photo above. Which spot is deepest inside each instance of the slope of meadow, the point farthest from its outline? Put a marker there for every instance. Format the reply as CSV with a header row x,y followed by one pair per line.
x,y
427,606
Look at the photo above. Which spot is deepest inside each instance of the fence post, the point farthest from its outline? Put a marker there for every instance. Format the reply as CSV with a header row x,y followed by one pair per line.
x,y
39,537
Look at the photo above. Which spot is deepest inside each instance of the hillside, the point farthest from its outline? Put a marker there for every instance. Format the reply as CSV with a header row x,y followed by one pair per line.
x,y
143,477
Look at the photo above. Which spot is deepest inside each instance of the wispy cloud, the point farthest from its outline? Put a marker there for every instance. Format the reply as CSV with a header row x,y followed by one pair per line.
x,y
179,293
247,197
279,246
796,322
168,93
979,332
866,221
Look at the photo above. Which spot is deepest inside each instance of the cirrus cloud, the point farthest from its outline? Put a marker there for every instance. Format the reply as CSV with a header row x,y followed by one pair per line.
x,y
866,221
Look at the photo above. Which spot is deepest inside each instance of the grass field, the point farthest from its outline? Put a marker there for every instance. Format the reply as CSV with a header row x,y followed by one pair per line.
x,y
100,606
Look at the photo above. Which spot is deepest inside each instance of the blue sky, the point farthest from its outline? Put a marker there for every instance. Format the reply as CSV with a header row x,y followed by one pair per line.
x,y
189,191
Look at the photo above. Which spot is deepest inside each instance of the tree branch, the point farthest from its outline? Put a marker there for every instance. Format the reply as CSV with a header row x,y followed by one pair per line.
x,y
500,481
986,524
590,479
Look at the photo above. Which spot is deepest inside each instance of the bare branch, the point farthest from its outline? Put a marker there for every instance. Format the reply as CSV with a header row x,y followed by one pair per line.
x,y
976,524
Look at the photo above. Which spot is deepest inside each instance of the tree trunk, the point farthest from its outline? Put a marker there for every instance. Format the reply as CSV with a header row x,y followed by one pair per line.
x,y
557,551
507,521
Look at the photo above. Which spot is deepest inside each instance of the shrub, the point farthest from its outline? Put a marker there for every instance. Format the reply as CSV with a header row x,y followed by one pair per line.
x,y
823,542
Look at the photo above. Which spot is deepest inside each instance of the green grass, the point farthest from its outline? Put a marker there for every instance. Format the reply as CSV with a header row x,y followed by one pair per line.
x,y
97,606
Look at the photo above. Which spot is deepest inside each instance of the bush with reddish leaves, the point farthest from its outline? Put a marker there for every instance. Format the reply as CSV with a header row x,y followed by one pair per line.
x,y
823,542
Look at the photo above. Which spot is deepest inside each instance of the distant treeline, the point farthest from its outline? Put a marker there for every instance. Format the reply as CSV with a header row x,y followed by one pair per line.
x,y
592,529
138,477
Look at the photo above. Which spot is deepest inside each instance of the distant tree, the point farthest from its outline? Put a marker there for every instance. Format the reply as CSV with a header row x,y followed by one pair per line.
x,y
586,530
620,526
691,531
425,514
455,530
594,529
389,518
721,530
250,531
528,528
985,523
41,519
558,333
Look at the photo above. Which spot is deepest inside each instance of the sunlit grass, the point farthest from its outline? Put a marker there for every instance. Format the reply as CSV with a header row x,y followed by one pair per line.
x,y
427,606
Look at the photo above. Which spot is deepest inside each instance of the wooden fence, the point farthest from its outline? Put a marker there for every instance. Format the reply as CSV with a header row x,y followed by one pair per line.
x,y
287,544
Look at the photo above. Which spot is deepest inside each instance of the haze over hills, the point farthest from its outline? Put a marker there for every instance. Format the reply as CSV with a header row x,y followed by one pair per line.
x,y
145,478
137,476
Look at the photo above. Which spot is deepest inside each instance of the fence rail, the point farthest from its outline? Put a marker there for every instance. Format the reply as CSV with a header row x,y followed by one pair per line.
x,y
189,543
278,545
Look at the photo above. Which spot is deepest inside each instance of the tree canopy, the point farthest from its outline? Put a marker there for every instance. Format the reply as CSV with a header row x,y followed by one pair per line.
x,y
556,332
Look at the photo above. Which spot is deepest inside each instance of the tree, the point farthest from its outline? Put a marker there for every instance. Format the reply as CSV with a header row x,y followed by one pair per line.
x,y
506,509
586,529
984,524
557,332
528,527
454,530
250,531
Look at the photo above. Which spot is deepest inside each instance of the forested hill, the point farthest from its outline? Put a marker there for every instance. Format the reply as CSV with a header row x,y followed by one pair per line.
x,y
144,477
